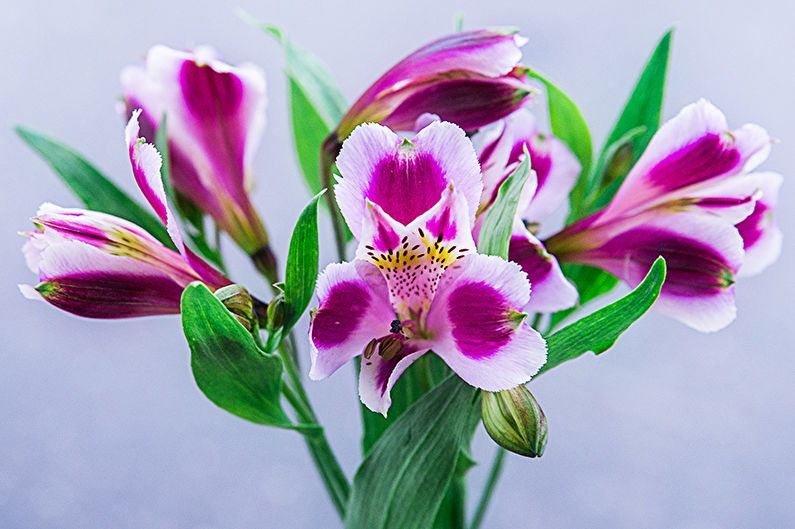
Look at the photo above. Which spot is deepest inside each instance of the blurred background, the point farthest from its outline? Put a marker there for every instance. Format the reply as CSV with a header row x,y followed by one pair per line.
x,y
101,424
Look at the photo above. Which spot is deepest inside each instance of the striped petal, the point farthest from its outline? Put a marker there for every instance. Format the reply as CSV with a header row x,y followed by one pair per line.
x,y
762,238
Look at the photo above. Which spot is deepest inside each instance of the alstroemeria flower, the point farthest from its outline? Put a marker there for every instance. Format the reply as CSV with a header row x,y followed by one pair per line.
x,y
99,266
215,115
471,78
417,284
691,197
554,173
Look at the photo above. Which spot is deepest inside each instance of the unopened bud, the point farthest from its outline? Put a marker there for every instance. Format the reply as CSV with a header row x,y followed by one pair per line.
x,y
276,313
238,301
515,421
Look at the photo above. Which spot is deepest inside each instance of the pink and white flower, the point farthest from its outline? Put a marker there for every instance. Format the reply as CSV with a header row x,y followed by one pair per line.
x,y
694,198
215,115
417,284
100,266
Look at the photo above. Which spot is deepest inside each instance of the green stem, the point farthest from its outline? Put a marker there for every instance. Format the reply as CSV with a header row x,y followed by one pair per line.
x,y
488,489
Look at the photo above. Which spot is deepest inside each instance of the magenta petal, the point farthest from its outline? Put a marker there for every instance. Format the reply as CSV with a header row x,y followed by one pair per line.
x,y
762,239
353,309
703,254
378,376
404,178
693,149
550,290
477,326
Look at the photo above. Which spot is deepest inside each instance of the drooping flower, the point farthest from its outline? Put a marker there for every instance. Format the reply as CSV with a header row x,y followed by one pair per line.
x,y
100,266
417,284
693,198
554,173
215,115
471,78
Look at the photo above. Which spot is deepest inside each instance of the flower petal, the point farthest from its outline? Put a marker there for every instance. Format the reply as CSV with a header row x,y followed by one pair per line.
x,y
413,258
762,239
353,309
215,118
703,254
86,281
405,179
378,376
476,325
693,149
550,290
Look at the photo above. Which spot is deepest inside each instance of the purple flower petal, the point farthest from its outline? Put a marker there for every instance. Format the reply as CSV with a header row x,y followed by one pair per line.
x,y
550,290
353,309
404,178
477,328
694,149
762,239
378,376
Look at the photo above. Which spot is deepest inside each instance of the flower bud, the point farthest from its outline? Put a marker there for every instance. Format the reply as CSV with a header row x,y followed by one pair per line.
x,y
238,301
515,421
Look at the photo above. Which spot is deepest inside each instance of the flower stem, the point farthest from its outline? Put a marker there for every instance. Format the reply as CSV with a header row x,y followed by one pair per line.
x,y
328,153
488,489
331,472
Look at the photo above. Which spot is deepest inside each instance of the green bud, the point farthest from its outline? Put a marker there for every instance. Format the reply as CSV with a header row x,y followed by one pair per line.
x,y
238,301
515,421
276,313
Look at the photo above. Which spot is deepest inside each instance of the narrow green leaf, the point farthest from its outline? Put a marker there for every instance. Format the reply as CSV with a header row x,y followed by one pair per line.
x,y
598,332
569,125
316,105
93,189
302,265
643,109
495,234
590,282
393,488
228,366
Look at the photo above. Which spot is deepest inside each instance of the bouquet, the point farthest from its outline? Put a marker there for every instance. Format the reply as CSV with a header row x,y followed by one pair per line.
x,y
476,228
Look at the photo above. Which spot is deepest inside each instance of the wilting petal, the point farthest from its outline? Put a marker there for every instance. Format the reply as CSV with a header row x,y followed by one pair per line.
x,y
550,290
353,309
703,254
554,164
483,54
695,148
413,258
477,327
215,117
86,281
404,178
378,376
761,236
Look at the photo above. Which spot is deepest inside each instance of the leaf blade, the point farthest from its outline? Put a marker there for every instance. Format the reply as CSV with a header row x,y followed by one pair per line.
x,y
302,265
227,365
597,332
94,189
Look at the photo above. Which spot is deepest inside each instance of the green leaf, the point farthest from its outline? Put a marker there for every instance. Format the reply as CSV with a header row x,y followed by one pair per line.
x,y
495,234
569,125
93,189
316,105
228,366
393,488
302,265
643,109
598,332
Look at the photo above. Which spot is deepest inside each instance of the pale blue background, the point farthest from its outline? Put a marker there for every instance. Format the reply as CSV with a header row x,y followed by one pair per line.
x,y
101,424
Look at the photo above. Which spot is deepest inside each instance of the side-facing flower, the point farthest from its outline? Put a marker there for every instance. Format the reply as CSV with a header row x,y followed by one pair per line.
x,y
100,266
693,198
554,173
417,284
471,78
215,115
